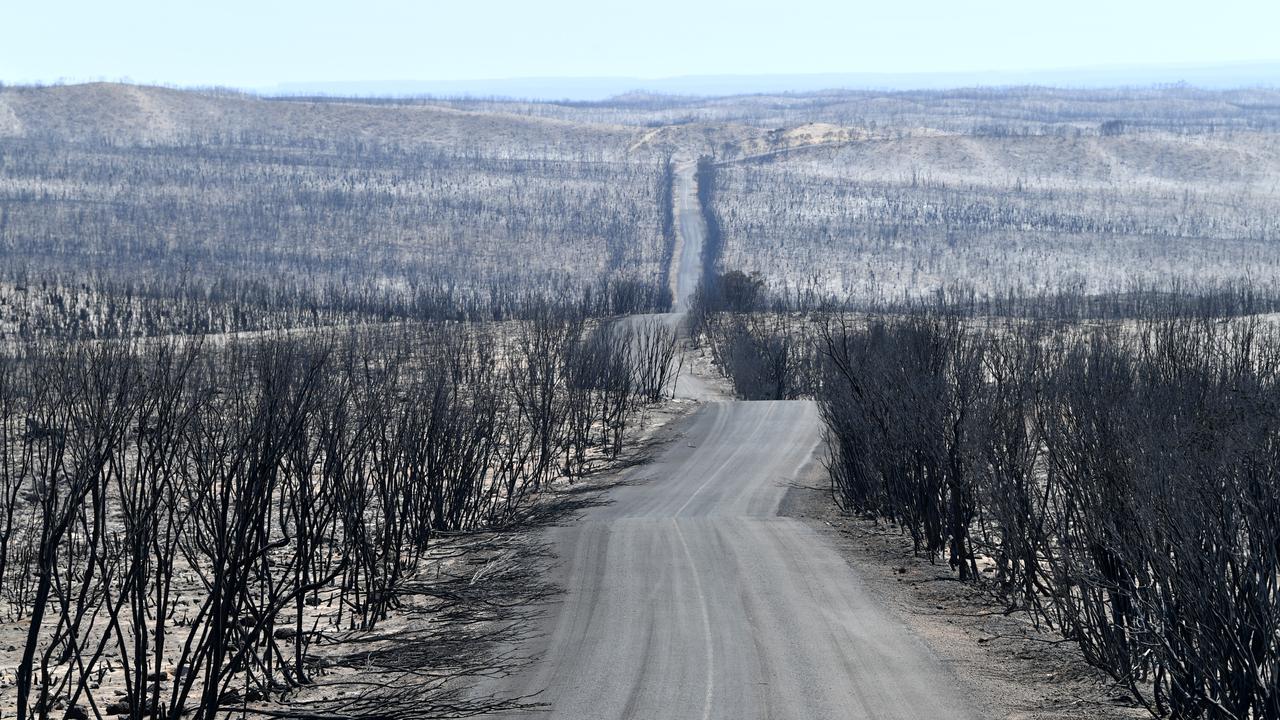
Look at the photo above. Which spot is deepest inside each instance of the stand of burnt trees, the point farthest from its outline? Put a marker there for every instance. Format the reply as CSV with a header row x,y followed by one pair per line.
x,y
1119,483
713,243
180,520
759,342
313,212
98,306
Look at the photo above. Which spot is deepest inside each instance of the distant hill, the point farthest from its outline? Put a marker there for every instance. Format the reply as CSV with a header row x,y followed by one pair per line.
x,y
599,88
135,113
375,208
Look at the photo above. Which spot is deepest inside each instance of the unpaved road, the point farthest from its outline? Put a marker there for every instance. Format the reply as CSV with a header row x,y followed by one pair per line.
x,y
687,265
687,596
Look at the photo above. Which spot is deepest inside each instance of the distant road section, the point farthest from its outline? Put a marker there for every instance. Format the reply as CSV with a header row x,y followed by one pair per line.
x,y
688,597
687,269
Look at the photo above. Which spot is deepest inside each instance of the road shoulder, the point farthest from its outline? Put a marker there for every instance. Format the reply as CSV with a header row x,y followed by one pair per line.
x,y
1010,670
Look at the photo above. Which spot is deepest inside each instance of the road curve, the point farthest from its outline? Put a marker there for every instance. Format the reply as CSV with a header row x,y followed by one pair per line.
x,y
689,597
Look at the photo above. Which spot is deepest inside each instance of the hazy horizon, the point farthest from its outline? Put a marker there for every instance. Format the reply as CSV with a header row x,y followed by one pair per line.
x,y
267,46
586,88
596,88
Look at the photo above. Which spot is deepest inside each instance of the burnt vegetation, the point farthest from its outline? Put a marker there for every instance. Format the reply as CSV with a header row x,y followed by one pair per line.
x,y
201,227
186,521
1044,349
1120,484
1112,478
267,366
273,375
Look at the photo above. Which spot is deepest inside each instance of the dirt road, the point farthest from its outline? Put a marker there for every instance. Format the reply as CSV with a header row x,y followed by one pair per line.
x,y
690,229
687,596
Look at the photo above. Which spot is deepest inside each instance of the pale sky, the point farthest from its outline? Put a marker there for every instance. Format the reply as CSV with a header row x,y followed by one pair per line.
x,y
263,42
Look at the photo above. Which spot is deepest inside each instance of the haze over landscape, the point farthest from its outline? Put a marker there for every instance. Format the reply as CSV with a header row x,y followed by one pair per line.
x,y
459,48
669,360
